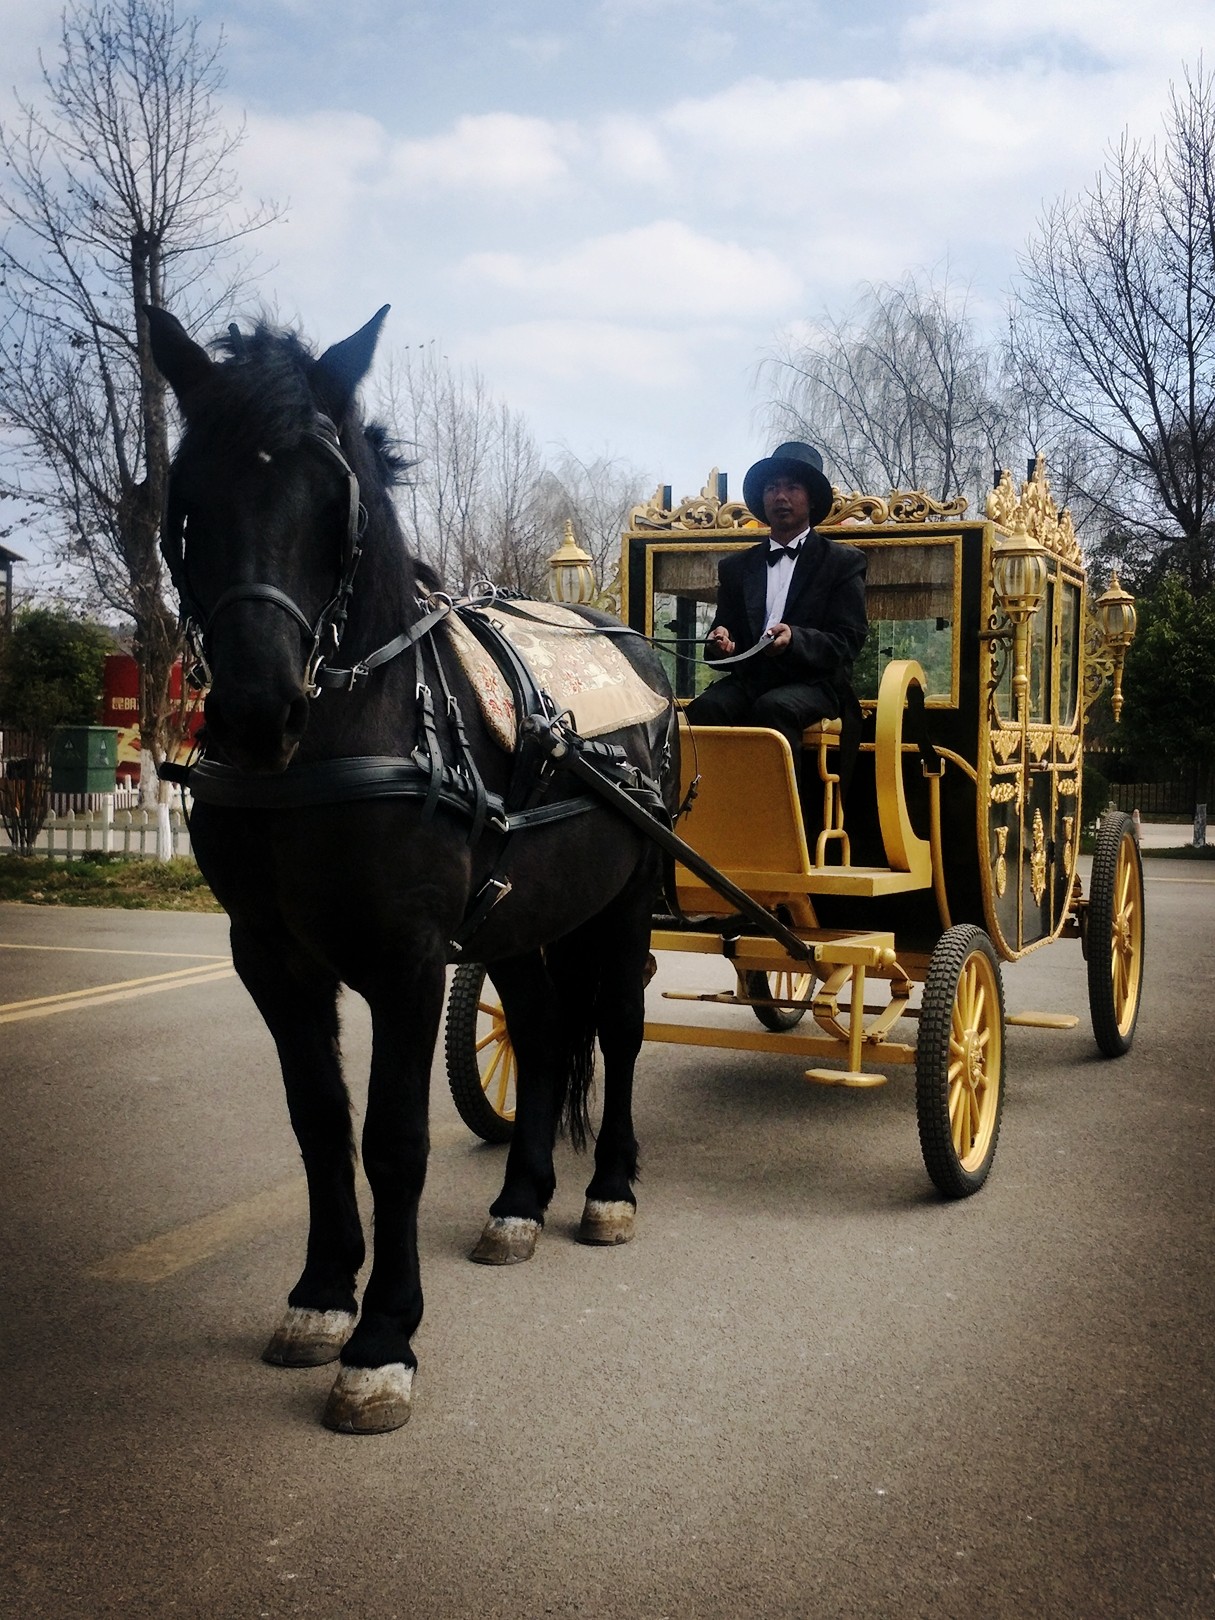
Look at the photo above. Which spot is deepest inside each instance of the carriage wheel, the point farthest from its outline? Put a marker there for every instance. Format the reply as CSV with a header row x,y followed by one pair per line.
x,y
783,986
481,1066
959,1061
1114,935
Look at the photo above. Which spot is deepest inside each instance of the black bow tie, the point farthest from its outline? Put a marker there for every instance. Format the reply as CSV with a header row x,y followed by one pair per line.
x,y
775,553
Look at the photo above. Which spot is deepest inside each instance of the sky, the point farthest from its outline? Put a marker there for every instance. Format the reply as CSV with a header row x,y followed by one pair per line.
x,y
613,208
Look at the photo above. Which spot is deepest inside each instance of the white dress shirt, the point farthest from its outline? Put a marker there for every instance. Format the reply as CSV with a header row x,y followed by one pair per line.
x,y
779,574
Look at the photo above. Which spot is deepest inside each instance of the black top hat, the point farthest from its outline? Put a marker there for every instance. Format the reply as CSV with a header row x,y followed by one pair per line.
x,y
792,460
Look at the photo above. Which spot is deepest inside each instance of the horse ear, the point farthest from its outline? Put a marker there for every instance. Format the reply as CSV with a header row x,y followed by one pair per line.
x,y
182,362
341,369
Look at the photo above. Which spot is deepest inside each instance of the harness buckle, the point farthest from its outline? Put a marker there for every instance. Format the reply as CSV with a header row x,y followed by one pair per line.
x,y
357,672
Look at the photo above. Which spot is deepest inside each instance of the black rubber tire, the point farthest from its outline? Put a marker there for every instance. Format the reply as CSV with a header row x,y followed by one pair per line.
x,y
778,1019
963,1000
1114,935
471,1073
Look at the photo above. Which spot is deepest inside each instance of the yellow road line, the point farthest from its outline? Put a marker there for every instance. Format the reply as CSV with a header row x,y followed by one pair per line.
x,y
73,1000
197,1241
111,950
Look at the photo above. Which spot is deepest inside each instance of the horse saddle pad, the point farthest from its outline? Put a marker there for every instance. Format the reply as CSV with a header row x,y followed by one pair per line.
x,y
584,673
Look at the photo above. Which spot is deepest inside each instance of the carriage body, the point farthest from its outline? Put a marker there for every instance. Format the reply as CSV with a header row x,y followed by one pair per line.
x,y
1011,787
960,844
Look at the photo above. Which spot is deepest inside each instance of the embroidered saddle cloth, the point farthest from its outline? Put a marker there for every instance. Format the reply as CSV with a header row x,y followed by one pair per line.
x,y
587,674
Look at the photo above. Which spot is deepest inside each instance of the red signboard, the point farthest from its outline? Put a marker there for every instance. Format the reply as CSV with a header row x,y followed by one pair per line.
x,y
120,709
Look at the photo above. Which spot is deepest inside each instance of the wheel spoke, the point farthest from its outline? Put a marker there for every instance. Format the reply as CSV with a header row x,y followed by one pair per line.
x,y
504,1085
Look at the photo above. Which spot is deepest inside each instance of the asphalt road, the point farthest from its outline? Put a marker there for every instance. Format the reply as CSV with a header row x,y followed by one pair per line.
x,y
808,1388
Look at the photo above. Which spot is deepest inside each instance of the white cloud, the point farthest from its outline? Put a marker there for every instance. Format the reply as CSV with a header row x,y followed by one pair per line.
x,y
1127,32
586,353
664,271
486,152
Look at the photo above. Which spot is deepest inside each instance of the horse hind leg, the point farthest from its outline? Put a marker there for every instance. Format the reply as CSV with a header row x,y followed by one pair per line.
x,y
301,1014
554,1069
621,940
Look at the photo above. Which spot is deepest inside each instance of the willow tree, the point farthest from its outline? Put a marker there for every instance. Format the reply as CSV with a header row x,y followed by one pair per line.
x,y
1115,323
117,192
900,391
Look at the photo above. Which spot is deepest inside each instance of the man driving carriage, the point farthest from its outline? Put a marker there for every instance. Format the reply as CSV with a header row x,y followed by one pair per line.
x,y
790,616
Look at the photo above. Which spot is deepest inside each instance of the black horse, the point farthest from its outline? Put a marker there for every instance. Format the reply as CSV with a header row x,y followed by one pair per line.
x,y
354,822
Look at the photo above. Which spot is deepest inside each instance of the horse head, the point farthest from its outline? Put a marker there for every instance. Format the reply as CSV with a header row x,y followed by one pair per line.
x,y
263,525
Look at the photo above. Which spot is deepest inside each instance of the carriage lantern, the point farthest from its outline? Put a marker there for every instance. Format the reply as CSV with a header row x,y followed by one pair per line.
x,y
571,577
1118,620
1019,576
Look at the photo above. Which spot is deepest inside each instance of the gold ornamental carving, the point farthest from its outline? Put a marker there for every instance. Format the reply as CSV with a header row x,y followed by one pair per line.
x,y
1003,792
1068,744
899,506
1033,512
697,512
1004,744
1001,870
707,511
1040,739
1037,860
1069,827
1068,787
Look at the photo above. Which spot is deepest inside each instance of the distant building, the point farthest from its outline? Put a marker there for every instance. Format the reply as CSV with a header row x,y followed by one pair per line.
x,y
7,559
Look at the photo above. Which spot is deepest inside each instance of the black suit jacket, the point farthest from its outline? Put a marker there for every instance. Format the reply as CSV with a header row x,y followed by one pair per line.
x,y
825,609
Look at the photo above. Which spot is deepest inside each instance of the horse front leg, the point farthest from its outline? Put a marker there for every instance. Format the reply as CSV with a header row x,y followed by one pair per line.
x,y
299,1006
373,1391
534,1020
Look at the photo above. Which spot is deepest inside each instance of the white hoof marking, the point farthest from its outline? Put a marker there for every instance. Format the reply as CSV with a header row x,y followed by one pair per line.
x,y
506,1240
607,1222
307,1338
370,1400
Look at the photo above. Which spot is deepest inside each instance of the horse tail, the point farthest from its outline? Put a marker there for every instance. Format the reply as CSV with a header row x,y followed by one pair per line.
x,y
579,1086
576,982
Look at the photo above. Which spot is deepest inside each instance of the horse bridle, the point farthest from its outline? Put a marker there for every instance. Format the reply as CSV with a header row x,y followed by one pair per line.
x,y
325,633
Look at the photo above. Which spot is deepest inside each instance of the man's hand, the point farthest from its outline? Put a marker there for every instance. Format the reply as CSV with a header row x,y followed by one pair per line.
x,y
781,635
719,642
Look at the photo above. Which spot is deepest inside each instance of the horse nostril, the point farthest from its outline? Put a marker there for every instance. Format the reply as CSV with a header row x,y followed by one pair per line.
x,y
297,718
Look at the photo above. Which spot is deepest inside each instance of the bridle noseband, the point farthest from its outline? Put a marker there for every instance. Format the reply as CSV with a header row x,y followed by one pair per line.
x,y
325,633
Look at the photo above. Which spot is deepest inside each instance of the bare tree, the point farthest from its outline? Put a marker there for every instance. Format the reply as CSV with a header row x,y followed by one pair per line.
x,y
116,193
900,392
1114,329
469,506
595,496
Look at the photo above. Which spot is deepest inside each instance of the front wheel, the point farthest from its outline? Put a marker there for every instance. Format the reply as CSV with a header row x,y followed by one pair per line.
x,y
959,1061
783,986
481,1067
1114,935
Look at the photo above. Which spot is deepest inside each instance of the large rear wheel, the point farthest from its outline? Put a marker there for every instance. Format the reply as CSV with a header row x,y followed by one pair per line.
x,y
481,1065
1114,935
959,1061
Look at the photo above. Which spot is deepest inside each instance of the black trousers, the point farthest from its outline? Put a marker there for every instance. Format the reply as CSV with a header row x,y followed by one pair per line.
x,y
788,708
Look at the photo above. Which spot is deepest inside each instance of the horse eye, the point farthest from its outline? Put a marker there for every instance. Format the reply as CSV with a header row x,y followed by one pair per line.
x,y
264,455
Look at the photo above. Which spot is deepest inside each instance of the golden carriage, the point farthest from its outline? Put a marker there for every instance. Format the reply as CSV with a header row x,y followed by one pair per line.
x,y
875,931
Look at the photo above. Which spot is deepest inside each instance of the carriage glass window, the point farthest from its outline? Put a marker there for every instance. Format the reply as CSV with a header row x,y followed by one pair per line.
x,y
1069,654
1040,640
912,600
682,605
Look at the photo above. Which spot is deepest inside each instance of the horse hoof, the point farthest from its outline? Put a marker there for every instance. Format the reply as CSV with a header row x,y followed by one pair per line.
x,y
370,1400
607,1222
506,1240
306,1338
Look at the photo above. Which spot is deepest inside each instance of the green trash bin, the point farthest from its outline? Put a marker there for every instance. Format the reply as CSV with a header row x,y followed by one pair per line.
x,y
84,759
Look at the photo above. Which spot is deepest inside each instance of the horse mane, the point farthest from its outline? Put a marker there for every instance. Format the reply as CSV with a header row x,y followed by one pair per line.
x,y
260,399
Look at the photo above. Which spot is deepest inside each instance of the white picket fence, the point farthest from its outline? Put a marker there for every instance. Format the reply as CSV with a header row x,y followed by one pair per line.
x,y
68,835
